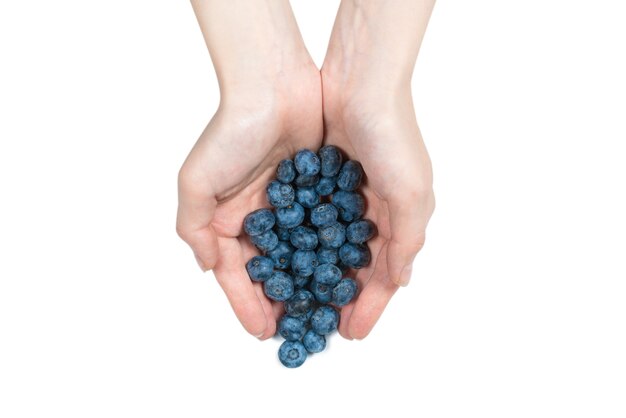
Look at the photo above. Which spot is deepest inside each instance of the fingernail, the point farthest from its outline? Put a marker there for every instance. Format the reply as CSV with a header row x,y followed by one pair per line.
x,y
405,275
200,264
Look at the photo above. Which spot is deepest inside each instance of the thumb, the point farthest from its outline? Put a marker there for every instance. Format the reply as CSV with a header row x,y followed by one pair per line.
x,y
408,218
196,208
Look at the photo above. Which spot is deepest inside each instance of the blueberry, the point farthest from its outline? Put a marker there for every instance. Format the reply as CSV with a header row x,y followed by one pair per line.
x,y
260,268
330,160
291,329
282,233
291,216
267,241
324,320
279,286
286,171
303,262
306,317
313,342
349,204
328,274
259,221
324,214
360,231
327,255
350,176
332,236
307,162
355,256
307,197
292,354
323,293
303,238
326,186
307,181
280,195
281,254
301,281
300,303
344,292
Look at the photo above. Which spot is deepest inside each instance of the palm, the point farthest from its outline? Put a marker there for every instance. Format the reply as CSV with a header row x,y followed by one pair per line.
x,y
242,149
388,144
372,279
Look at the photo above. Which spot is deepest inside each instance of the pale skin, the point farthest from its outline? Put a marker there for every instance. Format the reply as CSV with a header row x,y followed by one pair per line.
x,y
274,101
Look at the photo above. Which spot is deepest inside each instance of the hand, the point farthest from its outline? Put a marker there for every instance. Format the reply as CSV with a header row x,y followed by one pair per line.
x,y
271,106
383,135
368,112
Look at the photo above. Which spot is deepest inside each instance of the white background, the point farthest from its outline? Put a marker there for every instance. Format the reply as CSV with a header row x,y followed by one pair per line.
x,y
516,307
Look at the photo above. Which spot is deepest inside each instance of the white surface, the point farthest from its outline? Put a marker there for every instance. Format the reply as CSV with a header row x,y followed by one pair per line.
x,y
517,303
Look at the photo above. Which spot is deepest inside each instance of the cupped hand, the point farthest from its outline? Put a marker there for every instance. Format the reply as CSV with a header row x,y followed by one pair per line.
x,y
379,129
225,175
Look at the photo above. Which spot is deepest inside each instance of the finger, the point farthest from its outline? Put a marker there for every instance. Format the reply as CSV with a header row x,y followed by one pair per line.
x,y
344,320
231,274
372,300
196,208
408,217
270,317
249,251
362,277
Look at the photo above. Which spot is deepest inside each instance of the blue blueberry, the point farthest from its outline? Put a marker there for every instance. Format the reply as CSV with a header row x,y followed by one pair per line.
x,y
355,256
283,234
324,214
326,186
327,255
267,241
344,292
280,195
259,221
332,236
292,354
349,204
301,281
324,320
307,196
303,238
291,329
307,162
306,317
328,274
323,293
330,160
260,268
281,255
304,262
360,231
279,286
350,176
286,171
300,303
291,216
313,342
307,181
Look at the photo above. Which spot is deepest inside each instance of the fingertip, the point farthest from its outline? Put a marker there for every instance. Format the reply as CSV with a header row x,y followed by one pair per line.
x,y
359,329
201,263
344,321
255,326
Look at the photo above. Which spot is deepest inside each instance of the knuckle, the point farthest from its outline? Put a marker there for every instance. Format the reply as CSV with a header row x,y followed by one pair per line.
x,y
416,243
183,232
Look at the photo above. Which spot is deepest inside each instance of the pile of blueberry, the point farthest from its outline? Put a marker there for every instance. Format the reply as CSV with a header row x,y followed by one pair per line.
x,y
310,240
